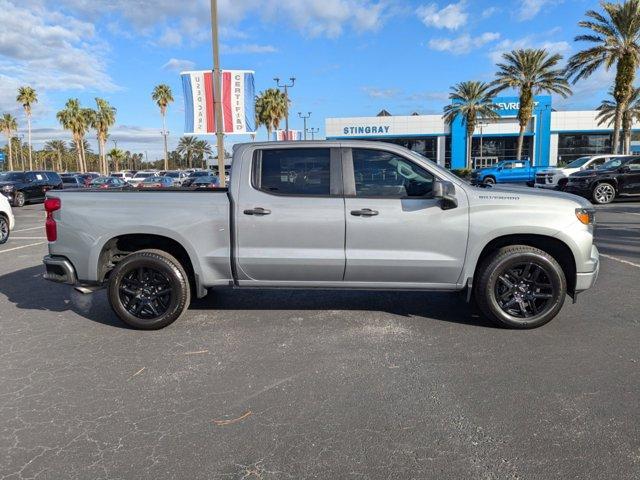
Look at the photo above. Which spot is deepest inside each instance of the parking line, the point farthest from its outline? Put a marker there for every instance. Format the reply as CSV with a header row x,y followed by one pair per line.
x,y
26,229
27,238
23,246
626,262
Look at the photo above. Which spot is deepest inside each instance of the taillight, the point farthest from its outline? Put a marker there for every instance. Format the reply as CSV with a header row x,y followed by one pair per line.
x,y
51,205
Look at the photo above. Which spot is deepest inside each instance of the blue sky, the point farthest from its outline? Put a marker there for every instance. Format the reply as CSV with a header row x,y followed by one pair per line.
x,y
350,57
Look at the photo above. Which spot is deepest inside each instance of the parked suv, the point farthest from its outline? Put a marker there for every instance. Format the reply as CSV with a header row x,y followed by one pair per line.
x,y
619,177
23,187
556,178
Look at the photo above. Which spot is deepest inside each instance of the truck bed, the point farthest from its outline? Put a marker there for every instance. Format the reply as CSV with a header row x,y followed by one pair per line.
x,y
197,220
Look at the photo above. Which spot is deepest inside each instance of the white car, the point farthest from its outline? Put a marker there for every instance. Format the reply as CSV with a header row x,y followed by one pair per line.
x,y
556,178
139,177
126,176
7,221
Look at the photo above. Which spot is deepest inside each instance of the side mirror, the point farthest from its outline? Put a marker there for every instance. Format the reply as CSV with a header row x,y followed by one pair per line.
x,y
624,169
500,169
446,192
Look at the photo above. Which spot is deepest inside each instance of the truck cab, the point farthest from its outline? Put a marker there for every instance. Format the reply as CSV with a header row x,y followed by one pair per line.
x,y
506,171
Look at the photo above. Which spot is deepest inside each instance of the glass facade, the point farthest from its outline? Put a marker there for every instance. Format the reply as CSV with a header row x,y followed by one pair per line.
x,y
575,145
501,148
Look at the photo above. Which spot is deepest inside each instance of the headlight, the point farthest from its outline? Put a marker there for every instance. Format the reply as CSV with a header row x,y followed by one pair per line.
x,y
586,215
8,188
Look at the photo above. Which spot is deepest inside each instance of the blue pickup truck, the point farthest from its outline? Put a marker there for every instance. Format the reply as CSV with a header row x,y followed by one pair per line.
x,y
507,171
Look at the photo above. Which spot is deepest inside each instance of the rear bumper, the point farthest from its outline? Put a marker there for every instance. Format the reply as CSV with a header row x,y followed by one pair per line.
x,y
586,280
59,269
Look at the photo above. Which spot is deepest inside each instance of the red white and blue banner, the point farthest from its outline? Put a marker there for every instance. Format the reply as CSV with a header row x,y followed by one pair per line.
x,y
283,135
238,102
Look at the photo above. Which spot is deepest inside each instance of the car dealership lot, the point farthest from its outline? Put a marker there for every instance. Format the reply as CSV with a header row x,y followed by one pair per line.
x,y
298,384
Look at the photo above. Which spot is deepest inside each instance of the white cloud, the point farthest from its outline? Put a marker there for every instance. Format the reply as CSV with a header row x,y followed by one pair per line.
x,y
375,92
489,12
463,44
530,41
530,8
170,38
49,51
248,48
178,65
451,17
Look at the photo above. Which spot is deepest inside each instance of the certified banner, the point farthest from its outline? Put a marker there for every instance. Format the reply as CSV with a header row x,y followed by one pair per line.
x,y
238,102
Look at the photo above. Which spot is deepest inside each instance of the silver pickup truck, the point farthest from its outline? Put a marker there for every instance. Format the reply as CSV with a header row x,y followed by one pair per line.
x,y
331,215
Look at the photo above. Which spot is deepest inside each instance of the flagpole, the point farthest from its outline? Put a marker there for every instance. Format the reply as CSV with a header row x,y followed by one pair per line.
x,y
217,79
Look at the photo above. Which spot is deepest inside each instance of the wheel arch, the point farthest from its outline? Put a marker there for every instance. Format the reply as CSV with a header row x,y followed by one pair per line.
x,y
558,249
118,247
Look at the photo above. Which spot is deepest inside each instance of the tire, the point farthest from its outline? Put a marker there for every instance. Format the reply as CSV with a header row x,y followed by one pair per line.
x,y
149,290
603,193
4,229
489,181
19,199
537,292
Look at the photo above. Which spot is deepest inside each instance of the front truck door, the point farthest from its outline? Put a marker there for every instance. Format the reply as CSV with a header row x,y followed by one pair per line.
x,y
396,231
629,182
290,217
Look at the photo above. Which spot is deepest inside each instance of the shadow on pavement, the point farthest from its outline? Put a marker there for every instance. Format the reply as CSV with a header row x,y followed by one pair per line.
x,y
29,291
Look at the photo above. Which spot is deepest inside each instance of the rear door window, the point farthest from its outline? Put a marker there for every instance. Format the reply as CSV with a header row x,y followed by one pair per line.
x,y
293,171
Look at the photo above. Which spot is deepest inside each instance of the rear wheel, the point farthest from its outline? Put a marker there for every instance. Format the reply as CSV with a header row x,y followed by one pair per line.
x,y
19,199
149,289
4,229
604,193
520,287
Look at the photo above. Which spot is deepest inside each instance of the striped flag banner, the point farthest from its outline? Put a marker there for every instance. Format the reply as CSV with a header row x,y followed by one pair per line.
x,y
238,102
282,135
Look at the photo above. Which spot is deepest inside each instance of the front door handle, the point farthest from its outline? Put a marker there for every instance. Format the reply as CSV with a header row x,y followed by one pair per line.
x,y
257,211
365,212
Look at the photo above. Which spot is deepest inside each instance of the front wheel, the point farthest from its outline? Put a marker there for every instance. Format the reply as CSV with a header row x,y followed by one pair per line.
x,y
520,287
489,181
604,193
4,229
149,289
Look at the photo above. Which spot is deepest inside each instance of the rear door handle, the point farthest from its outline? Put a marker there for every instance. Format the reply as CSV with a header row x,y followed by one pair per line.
x,y
365,212
257,211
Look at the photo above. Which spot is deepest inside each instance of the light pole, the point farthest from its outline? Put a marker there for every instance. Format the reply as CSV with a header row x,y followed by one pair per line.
x,y
286,87
482,124
304,118
313,132
217,100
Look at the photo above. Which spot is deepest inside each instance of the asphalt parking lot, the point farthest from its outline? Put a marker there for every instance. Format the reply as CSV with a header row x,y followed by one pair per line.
x,y
282,384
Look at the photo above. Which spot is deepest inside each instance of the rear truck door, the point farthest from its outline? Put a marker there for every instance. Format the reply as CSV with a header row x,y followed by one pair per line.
x,y
396,231
289,218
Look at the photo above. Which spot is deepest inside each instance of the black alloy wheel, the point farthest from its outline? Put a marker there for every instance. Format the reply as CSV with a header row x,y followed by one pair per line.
x,y
519,286
4,229
149,289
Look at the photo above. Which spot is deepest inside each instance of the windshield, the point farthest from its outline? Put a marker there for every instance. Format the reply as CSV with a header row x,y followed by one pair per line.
x,y
12,177
100,180
613,163
151,180
578,162
144,175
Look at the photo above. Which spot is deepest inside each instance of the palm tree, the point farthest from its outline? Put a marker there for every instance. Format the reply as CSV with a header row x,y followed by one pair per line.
x,y
615,35
271,108
57,148
116,155
163,97
9,125
607,113
101,120
187,146
471,101
27,96
530,71
202,151
76,120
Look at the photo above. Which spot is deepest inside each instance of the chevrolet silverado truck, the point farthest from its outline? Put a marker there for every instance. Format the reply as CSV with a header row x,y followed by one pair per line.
x,y
507,171
325,215
557,178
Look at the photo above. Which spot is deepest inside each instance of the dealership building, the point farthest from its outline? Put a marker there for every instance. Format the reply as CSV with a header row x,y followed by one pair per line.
x,y
552,137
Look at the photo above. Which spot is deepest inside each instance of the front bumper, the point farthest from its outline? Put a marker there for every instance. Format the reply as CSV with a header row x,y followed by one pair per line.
x,y
59,269
586,280
9,195
581,190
